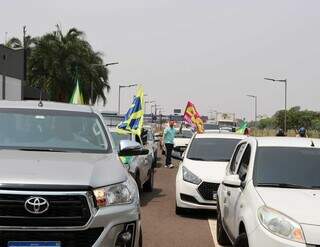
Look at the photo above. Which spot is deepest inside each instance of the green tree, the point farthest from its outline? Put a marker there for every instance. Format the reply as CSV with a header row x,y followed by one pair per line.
x,y
57,61
267,123
15,42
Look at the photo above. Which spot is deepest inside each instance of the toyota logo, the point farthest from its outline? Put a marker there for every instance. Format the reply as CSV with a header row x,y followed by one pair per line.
x,y
36,205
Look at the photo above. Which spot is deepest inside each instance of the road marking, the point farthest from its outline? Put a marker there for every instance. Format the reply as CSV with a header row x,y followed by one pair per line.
x,y
212,226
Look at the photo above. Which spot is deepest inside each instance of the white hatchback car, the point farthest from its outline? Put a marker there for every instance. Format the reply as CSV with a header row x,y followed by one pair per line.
x,y
270,195
202,169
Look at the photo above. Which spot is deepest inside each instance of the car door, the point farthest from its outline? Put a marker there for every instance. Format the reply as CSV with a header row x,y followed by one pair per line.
x,y
236,193
229,192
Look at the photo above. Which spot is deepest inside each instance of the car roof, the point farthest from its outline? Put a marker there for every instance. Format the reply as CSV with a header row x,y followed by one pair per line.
x,y
46,105
229,135
287,142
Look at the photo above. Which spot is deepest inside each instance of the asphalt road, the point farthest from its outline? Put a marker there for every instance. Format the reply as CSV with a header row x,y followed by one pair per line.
x,y
162,227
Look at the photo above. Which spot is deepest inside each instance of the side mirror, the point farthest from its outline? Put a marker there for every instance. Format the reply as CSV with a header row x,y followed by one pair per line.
x,y
232,181
131,148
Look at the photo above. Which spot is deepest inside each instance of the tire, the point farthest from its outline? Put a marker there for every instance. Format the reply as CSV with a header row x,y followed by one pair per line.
x,y
222,237
241,241
148,186
140,238
137,179
180,211
155,155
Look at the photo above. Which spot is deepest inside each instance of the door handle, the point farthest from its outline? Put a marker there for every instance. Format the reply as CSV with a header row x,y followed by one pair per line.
x,y
229,193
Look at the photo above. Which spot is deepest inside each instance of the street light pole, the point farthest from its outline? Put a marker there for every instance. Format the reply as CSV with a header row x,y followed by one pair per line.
x,y
285,99
91,86
148,102
255,106
119,98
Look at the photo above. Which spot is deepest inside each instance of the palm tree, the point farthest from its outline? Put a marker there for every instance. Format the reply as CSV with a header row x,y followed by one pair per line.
x,y
57,61
15,42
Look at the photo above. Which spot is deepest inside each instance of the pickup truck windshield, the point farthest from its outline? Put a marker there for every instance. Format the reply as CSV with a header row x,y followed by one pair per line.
x,y
49,130
287,166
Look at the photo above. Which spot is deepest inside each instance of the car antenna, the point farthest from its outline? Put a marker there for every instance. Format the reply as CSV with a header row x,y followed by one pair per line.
x,y
40,104
312,143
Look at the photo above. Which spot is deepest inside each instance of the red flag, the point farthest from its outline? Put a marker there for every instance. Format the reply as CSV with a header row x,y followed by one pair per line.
x,y
192,117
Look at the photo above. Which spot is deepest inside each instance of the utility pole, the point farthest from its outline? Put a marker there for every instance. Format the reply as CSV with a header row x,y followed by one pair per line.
x,y
285,99
25,56
255,107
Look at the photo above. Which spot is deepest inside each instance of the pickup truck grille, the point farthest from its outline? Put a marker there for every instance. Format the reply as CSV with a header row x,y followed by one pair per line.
x,y
85,238
207,190
63,211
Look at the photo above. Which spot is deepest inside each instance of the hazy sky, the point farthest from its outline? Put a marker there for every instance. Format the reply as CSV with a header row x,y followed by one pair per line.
x,y
208,51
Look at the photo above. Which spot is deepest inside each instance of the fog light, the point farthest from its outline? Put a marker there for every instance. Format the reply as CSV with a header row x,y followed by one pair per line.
x,y
126,237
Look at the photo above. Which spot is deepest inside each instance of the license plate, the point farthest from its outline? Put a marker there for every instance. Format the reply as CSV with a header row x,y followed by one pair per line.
x,y
214,197
34,244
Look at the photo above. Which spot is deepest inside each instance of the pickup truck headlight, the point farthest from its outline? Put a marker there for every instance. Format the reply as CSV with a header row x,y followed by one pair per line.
x,y
188,176
280,224
122,193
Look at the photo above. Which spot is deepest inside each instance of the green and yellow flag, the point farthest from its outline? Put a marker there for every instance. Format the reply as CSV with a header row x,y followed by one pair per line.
x,y
242,128
77,97
133,120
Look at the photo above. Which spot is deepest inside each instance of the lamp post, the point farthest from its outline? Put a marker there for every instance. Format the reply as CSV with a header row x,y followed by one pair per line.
x,y
148,102
119,98
97,65
255,106
285,100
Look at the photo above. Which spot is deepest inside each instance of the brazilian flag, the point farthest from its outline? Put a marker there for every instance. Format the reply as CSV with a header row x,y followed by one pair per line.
x,y
242,128
133,120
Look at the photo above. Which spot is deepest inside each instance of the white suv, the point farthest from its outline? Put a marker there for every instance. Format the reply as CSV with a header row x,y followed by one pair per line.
x,y
270,195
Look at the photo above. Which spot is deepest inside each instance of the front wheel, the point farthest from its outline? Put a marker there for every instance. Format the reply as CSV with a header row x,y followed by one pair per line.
x,y
140,238
222,236
148,186
241,241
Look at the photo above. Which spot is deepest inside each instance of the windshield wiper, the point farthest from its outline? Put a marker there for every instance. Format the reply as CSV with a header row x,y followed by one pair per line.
x,y
42,150
195,158
284,185
222,160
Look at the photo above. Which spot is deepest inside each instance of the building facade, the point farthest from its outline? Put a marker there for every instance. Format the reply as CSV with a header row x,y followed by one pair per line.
x,y
12,76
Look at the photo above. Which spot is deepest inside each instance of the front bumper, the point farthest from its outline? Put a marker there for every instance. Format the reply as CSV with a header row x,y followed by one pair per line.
x,y
263,238
188,196
103,230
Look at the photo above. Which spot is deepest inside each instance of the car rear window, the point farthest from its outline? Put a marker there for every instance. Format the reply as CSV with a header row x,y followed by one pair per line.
x,y
212,149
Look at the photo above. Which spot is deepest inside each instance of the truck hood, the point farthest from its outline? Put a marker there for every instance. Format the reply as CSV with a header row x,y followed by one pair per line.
x,y
209,171
53,168
299,204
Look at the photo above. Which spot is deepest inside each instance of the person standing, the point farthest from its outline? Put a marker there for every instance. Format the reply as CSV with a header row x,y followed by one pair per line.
x,y
168,136
302,132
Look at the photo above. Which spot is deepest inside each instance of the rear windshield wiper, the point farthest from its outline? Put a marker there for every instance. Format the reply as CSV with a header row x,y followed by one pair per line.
x,y
284,185
195,158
